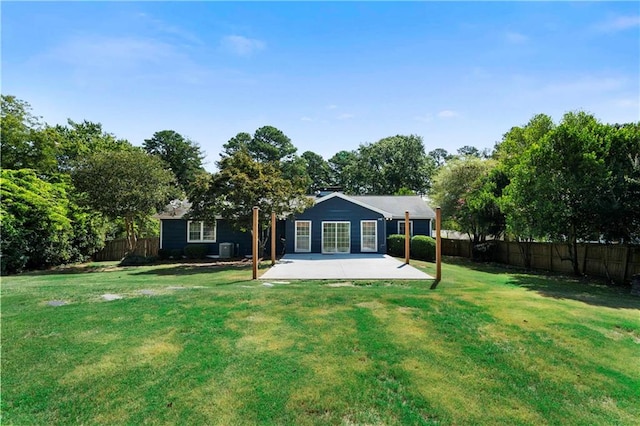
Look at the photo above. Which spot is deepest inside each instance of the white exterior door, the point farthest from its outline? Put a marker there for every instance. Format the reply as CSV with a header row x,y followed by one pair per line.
x,y
336,237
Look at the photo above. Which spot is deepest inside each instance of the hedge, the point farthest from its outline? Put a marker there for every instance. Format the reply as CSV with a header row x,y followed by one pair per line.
x,y
422,247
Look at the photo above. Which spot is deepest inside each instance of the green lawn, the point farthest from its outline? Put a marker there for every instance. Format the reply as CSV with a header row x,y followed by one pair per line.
x,y
487,346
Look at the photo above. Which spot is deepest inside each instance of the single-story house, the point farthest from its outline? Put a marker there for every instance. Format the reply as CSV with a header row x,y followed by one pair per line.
x,y
336,223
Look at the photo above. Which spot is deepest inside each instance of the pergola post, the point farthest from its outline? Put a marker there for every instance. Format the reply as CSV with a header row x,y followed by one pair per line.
x,y
273,238
438,245
407,238
254,243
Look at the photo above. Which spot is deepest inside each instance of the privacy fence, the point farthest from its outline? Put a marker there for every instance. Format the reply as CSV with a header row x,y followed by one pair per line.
x,y
615,262
116,249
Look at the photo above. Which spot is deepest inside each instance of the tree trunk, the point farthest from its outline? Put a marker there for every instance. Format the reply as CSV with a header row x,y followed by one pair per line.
x,y
132,240
573,251
525,251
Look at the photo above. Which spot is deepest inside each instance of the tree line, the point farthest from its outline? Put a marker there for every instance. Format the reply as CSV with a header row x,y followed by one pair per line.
x,y
67,189
574,181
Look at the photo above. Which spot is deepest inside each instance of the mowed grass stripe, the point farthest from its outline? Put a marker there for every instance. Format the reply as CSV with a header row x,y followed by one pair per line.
x,y
488,346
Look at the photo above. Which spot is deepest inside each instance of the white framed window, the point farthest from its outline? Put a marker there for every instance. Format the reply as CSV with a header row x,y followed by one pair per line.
x,y
369,235
401,227
303,236
201,232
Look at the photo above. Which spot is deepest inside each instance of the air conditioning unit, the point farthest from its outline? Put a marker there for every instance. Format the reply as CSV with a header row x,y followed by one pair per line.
x,y
226,250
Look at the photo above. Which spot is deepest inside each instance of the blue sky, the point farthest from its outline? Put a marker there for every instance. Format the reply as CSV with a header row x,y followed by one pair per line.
x,y
331,75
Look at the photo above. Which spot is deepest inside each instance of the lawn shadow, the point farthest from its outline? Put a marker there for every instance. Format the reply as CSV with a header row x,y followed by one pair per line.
x,y
194,269
582,290
592,291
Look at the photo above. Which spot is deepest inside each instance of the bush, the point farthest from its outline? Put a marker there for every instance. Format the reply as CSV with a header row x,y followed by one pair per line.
x,y
137,260
176,254
423,248
395,245
484,252
195,251
164,254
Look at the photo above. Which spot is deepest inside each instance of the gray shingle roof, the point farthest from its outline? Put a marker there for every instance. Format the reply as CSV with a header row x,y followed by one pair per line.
x,y
398,204
395,205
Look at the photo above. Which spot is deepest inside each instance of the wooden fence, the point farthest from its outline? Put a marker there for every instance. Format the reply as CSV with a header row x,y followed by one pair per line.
x,y
116,249
617,262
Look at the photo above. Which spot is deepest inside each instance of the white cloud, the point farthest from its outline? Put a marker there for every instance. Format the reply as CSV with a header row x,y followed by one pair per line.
x,y
305,118
516,38
332,106
112,60
447,114
345,116
619,23
242,46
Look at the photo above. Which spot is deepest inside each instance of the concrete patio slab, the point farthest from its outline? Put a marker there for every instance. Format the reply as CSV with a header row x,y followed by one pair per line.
x,y
342,266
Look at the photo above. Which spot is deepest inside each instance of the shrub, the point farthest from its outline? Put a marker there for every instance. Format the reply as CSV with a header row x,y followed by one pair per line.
x,y
176,254
164,254
195,251
484,252
423,247
395,245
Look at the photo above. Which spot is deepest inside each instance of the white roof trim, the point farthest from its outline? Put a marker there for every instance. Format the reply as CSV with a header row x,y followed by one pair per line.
x,y
386,214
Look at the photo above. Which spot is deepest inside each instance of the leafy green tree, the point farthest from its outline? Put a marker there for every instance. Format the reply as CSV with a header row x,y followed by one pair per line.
x,y
242,183
518,139
466,191
392,163
183,156
439,156
36,229
268,144
124,184
79,140
559,182
520,218
318,171
619,202
24,143
343,165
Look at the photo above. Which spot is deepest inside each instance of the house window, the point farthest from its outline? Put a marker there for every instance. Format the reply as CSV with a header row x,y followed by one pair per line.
x,y
303,236
369,235
201,232
401,229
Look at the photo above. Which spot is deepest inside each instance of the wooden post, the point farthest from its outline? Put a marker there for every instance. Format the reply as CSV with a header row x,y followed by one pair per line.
x,y
438,245
273,238
626,264
254,245
407,238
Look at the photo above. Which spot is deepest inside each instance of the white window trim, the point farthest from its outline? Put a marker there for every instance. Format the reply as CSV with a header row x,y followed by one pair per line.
x,y
322,237
295,241
410,228
215,232
375,227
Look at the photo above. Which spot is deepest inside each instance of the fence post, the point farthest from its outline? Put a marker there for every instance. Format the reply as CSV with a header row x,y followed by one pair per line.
x,y
626,265
254,245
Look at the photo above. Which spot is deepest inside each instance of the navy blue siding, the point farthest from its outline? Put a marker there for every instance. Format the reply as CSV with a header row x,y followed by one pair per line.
x,y
174,236
336,209
420,226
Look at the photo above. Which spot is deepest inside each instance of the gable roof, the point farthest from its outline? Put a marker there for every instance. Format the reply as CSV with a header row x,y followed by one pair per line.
x,y
390,206
398,204
350,199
